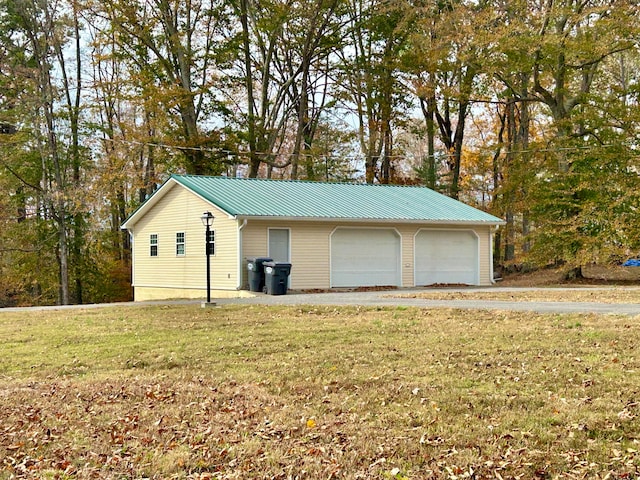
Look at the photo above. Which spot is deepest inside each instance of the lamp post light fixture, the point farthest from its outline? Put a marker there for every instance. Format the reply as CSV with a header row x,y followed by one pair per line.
x,y
207,221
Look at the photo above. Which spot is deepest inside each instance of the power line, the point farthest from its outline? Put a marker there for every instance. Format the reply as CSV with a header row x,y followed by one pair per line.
x,y
439,155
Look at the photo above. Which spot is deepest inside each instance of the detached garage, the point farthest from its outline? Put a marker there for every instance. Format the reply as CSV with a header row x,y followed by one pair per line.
x,y
335,235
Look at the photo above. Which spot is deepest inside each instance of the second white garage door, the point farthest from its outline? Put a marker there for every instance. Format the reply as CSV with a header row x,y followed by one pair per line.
x,y
446,257
364,257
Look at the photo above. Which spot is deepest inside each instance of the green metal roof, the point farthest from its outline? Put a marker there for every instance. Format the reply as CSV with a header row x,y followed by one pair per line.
x,y
250,197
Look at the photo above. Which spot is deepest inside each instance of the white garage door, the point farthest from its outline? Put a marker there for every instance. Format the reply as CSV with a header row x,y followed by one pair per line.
x,y
364,257
446,257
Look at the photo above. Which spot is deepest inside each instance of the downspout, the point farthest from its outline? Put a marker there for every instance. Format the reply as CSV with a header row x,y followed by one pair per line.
x,y
240,256
133,262
491,235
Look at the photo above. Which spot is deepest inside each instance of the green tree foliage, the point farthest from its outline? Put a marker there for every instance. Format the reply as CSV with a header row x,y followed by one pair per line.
x,y
170,48
38,36
589,212
555,67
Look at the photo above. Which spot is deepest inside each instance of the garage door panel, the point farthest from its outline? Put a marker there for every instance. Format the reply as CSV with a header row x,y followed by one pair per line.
x,y
446,257
364,278
365,257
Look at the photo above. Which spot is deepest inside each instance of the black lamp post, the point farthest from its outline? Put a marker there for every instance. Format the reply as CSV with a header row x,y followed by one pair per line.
x,y
207,221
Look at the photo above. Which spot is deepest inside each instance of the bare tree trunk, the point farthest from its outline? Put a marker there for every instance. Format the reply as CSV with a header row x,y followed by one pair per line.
x,y
508,191
42,52
429,163
454,139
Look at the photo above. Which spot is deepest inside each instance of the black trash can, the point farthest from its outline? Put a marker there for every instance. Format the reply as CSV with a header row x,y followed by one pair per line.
x,y
256,273
276,276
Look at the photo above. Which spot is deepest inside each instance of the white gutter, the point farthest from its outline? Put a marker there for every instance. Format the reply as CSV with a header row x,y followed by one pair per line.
x,y
133,260
396,221
491,235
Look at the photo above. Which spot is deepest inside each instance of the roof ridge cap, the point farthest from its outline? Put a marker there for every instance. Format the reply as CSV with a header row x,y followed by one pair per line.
x,y
304,181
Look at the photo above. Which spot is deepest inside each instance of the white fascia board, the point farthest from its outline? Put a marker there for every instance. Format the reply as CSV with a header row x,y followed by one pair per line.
x,y
371,220
156,196
148,204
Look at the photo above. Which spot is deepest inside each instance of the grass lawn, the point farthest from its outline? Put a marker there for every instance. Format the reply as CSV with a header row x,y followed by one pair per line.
x,y
317,392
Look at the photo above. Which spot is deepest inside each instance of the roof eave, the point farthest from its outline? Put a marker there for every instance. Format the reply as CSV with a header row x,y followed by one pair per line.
x,y
148,204
157,195
372,220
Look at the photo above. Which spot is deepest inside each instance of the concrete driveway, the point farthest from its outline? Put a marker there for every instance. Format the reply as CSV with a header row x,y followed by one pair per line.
x,y
390,298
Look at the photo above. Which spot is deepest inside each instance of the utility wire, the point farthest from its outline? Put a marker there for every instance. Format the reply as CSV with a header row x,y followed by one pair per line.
x,y
246,153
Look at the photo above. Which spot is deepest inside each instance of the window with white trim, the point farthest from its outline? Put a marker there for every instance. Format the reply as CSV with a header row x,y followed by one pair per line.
x,y
180,243
153,245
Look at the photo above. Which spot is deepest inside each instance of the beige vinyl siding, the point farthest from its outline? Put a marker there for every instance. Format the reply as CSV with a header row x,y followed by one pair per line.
x,y
254,244
310,256
309,245
310,249
407,234
486,254
179,210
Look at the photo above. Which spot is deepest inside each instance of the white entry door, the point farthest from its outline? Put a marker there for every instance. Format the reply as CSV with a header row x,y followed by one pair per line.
x,y
446,257
364,257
